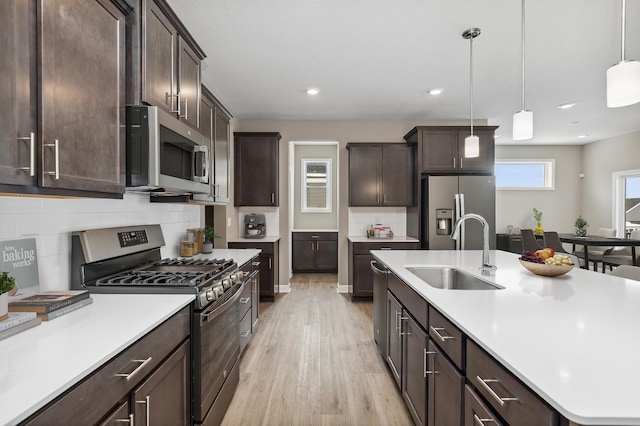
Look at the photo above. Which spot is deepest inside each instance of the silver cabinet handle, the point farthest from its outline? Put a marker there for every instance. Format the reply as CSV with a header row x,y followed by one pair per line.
x,y
56,151
253,285
32,154
244,334
477,420
315,236
485,384
437,330
401,333
460,162
273,198
454,162
255,263
317,246
143,363
312,246
245,300
168,97
127,420
424,363
147,401
270,263
186,104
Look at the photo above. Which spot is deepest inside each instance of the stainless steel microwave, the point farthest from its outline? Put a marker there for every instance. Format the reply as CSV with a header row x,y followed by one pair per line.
x,y
164,154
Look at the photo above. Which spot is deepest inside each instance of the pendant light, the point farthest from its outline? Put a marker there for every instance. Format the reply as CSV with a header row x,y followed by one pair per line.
x,y
623,79
523,119
471,142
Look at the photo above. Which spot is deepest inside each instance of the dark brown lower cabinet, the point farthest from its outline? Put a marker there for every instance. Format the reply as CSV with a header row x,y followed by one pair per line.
x,y
446,383
476,412
269,266
414,380
119,416
315,252
394,339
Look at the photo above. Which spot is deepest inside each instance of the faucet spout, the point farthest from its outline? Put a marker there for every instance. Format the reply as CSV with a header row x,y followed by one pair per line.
x,y
486,267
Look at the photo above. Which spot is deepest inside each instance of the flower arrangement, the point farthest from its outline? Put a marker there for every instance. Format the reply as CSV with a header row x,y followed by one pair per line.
x,y
537,215
7,283
581,227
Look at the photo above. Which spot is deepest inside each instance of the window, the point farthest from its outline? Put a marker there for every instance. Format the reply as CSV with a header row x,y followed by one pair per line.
x,y
316,186
525,174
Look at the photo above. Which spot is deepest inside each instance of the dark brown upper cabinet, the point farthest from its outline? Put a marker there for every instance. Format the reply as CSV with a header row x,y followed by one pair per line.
x,y
78,97
256,168
171,63
441,149
381,174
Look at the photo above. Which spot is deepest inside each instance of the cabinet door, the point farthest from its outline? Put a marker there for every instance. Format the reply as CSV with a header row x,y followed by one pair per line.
x,y
485,161
188,84
119,416
365,163
394,342
159,47
304,255
326,256
83,88
164,398
266,277
397,175
476,412
256,169
414,382
440,151
17,110
221,156
362,276
445,389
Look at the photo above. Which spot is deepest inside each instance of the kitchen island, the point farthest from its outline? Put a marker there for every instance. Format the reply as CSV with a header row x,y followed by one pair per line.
x,y
571,339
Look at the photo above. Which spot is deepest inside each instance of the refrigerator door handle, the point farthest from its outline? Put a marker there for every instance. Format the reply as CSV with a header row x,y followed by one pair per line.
x,y
458,214
462,228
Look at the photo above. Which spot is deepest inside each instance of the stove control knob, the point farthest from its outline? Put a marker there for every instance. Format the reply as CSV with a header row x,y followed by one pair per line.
x,y
233,278
226,283
210,294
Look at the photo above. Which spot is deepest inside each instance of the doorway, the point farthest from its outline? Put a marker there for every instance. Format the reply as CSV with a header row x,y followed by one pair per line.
x,y
626,202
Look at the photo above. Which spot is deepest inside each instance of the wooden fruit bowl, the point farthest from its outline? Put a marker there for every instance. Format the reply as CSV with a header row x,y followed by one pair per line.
x,y
546,270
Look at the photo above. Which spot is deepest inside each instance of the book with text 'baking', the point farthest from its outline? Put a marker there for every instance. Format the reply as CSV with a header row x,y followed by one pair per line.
x,y
48,301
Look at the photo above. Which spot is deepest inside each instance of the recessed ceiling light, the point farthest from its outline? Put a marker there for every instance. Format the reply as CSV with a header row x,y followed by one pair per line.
x,y
312,91
435,92
582,136
567,105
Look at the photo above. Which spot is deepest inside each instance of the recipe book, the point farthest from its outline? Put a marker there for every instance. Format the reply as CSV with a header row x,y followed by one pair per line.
x,y
20,328
65,310
48,301
15,319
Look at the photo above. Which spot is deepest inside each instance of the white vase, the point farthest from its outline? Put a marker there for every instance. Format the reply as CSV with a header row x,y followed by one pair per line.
x,y
4,304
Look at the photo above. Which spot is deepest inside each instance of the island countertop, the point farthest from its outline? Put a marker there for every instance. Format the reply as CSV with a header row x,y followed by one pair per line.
x,y
572,339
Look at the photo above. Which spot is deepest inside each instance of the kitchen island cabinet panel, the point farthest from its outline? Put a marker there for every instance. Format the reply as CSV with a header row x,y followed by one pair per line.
x,y
414,378
445,389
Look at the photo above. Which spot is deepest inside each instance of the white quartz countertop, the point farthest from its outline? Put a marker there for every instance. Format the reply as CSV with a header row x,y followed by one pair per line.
x,y
383,240
574,339
41,363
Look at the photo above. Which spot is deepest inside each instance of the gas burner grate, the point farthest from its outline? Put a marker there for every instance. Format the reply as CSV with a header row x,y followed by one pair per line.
x,y
178,279
195,262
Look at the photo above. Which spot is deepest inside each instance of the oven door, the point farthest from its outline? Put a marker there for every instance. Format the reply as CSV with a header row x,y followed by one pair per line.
x,y
216,349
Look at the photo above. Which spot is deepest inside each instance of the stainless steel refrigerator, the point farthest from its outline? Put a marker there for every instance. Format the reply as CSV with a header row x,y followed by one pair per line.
x,y
445,199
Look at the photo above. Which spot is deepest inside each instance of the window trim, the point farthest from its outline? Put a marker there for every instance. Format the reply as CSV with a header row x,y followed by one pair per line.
x,y
549,174
303,187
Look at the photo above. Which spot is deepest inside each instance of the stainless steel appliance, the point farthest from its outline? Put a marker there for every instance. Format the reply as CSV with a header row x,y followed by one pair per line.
x,y
255,225
445,199
128,260
164,154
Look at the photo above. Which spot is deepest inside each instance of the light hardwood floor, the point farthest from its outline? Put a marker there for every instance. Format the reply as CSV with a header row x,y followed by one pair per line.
x,y
313,361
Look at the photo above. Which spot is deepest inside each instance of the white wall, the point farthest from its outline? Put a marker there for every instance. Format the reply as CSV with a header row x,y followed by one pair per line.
x,y
52,220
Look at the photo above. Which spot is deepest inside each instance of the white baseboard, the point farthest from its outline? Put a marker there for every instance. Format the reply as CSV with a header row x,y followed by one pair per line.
x,y
343,288
284,288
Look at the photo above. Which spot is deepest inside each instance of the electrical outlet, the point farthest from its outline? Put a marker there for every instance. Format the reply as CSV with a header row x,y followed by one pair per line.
x,y
228,222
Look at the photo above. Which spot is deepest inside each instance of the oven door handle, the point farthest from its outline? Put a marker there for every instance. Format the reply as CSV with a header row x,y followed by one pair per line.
x,y
214,311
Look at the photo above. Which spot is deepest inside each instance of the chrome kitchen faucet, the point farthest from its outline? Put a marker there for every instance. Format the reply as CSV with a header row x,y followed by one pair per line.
x,y
486,267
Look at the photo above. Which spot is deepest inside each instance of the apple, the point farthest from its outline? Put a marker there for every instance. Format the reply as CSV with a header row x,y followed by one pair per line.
x,y
551,251
543,254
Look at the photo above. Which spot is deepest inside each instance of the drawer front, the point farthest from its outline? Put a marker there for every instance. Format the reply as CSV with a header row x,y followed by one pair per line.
x,y
411,300
244,302
508,397
89,401
476,413
315,236
267,248
364,248
245,331
447,336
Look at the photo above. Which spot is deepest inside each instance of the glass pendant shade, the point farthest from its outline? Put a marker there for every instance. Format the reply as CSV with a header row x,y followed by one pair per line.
x,y
623,84
522,125
471,146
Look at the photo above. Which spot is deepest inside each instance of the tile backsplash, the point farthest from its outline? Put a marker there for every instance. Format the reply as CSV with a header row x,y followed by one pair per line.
x,y
52,220
361,217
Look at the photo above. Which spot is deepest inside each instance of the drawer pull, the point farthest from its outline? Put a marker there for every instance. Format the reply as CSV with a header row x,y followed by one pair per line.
x,y
480,422
147,402
485,385
426,352
437,330
143,363
400,333
127,420
245,300
244,334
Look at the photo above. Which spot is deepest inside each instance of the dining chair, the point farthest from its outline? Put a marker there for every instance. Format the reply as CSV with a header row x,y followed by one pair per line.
x,y
622,255
596,253
552,240
529,242
627,271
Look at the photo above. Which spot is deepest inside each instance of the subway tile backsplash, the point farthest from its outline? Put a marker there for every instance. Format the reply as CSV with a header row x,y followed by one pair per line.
x,y
361,217
51,220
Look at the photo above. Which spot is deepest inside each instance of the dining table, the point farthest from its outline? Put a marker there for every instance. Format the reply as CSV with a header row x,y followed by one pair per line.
x,y
599,241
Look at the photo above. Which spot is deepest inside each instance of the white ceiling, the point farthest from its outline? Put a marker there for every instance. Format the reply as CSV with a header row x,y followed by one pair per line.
x,y
376,60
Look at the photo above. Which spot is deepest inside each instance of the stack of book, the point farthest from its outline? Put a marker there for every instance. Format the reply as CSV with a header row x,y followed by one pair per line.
x,y
17,322
52,304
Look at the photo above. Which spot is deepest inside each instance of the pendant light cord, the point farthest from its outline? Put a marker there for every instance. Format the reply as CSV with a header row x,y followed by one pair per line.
x,y
471,80
624,9
523,57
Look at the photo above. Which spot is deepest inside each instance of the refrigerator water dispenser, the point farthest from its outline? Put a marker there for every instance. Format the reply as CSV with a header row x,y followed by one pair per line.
x,y
444,221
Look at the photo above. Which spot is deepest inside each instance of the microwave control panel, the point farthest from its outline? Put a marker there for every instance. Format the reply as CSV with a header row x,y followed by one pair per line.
x,y
132,238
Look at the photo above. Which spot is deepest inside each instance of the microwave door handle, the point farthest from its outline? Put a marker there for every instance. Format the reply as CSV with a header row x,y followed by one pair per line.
x,y
201,151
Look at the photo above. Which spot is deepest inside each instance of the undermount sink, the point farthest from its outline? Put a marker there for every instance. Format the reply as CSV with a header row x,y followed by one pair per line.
x,y
447,278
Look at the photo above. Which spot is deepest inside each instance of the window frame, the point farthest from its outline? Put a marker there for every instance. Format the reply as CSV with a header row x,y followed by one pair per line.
x,y
304,208
549,174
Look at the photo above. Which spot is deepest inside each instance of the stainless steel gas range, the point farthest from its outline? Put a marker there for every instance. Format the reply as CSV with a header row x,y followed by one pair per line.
x,y
128,260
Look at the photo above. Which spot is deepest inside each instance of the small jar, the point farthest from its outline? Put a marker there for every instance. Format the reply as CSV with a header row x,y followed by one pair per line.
x,y
186,248
195,235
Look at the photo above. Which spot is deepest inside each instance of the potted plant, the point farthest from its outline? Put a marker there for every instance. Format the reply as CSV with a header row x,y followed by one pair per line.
x,y
209,235
537,215
581,227
7,287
